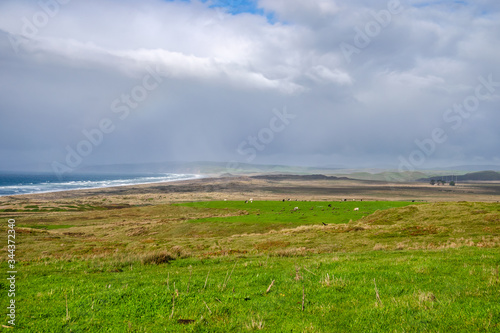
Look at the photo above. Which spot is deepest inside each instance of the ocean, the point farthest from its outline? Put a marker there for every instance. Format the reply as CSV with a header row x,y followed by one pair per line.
x,y
25,183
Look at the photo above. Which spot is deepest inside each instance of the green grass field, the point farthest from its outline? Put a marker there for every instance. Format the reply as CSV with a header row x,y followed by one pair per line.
x,y
230,266
282,213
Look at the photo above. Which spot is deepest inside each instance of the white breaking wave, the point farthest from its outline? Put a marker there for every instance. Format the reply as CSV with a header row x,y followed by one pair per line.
x,y
45,187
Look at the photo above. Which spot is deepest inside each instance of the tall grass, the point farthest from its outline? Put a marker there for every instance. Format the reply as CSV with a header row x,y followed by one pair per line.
x,y
227,266
439,290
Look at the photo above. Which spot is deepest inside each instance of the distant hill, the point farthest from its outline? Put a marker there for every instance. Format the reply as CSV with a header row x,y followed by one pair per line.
x,y
297,177
472,176
471,168
228,170
222,168
481,175
387,176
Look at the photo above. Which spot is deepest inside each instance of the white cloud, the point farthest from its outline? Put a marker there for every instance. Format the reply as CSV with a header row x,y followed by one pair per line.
x,y
323,74
226,72
186,42
298,11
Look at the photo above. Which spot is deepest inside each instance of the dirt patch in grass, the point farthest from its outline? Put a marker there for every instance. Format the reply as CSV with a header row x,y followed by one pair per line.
x,y
76,234
356,228
492,218
222,253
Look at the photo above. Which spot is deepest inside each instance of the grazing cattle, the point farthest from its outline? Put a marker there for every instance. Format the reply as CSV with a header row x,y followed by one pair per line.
x,y
356,209
283,200
329,205
246,201
296,208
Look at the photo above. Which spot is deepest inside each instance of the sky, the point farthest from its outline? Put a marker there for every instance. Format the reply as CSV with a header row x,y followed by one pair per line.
x,y
403,84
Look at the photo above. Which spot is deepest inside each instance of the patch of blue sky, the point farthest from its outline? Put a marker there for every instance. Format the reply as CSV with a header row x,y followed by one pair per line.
x,y
440,3
454,5
236,7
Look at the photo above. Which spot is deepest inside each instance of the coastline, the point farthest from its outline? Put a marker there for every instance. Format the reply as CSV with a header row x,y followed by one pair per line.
x,y
215,187
189,177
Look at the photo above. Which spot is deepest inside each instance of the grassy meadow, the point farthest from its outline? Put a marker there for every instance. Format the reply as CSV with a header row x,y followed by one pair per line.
x,y
231,266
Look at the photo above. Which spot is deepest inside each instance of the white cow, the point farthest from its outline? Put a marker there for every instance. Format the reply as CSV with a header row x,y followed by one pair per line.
x,y
356,209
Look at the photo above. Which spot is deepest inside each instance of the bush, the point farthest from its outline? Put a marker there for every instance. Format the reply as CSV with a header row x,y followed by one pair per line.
x,y
158,258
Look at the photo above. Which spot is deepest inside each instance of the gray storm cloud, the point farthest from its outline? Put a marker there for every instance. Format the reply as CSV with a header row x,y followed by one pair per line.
x,y
367,83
